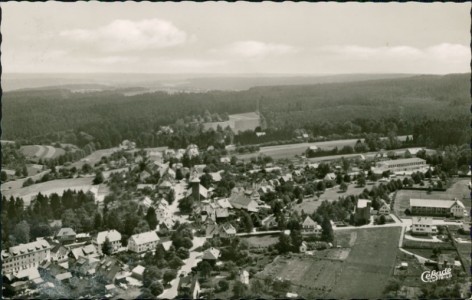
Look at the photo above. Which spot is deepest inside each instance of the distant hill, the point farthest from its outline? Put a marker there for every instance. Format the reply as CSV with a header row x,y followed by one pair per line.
x,y
172,82
109,116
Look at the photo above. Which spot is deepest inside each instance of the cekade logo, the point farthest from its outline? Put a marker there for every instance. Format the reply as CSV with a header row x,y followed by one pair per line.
x,y
432,276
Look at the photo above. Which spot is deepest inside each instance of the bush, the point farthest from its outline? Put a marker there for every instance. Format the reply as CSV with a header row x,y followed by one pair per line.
x,y
223,285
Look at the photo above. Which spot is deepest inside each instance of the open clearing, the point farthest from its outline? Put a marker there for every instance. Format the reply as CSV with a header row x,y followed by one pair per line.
x,y
94,157
261,241
309,205
458,190
364,265
50,187
370,264
41,152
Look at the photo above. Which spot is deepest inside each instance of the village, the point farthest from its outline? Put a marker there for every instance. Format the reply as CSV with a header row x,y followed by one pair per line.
x,y
199,223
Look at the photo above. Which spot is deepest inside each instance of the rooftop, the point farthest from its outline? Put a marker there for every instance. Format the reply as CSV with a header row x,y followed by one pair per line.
x,y
403,161
434,203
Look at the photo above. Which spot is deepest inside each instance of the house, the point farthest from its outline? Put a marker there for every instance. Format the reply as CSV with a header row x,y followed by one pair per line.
x,y
311,227
362,211
127,145
384,208
465,227
244,277
138,272
59,253
227,230
303,247
143,242
165,187
143,186
329,177
216,176
430,207
270,222
108,268
113,236
25,256
144,175
192,150
212,229
414,151
162,210
189,287
313,148
225,160
445,261
286,178
196,190
146,203
211,254
423,225
291,295
66,235
239,200
87,251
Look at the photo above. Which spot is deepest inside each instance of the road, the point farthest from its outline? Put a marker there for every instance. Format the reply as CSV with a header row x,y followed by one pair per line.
x,y
189,263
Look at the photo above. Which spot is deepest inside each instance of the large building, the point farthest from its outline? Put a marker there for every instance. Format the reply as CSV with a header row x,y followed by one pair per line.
x,y
25,256
142,242
362,212
431,207
423,225
238,122
400,165
113,236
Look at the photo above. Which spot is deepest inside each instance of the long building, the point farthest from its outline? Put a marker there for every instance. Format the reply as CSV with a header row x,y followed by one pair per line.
x,y
400,165
25,256
431,207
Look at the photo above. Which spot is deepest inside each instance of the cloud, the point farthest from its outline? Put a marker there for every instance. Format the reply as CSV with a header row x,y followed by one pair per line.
x,y
195,63
115,59
126,35
256,49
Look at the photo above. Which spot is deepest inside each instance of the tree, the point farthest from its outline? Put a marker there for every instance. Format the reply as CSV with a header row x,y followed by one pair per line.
x,y
171,197
107,247
151,274
283,246
98,178
239,289
248,226
175,263
296,239
3,176
178,174
186,205
146,294
97,221
183,253
151,218
169,275
343,187
156,288
382,220
361,180
327,233
205,269
22,232
223,285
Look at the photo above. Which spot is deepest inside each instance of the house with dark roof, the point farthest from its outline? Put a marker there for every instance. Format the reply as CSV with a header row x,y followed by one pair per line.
x,y
66,235
239,200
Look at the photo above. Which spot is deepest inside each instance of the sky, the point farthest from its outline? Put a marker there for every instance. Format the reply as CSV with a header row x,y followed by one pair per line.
x,y
234,38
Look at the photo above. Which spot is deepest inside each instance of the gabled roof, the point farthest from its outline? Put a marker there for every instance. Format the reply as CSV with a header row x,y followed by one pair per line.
x,y
144,238
309,222
65,232
228,228
224,203
112,235
211,254
361,203
241,201
435,203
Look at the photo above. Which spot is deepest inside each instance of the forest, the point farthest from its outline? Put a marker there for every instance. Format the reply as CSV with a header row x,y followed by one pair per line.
x,y
347,109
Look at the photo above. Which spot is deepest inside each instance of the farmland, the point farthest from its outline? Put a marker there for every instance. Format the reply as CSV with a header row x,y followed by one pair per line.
x,y
50,187
369,265
363,265
41,152
95,157
457,190
261,241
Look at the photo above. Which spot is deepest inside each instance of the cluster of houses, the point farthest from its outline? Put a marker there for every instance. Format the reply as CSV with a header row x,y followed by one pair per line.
x,y
50,262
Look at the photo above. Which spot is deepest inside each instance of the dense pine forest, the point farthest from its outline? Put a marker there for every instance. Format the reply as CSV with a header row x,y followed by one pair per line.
x,y
434,108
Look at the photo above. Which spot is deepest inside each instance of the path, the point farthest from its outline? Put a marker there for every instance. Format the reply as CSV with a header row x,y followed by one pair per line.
x,y
421,259
189,263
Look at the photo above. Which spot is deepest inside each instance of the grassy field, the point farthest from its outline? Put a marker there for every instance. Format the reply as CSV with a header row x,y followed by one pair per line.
x,y
369,265
261,241
49,187
95,157
457,190
360,269
309,205
42,152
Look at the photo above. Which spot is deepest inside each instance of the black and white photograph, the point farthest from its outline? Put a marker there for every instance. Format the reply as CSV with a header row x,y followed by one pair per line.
x,y
235,150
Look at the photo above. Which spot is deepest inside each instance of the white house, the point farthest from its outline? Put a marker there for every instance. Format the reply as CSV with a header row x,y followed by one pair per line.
x,y
303,247
423,225
384,208
142,242
310,227
244,276
113,236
